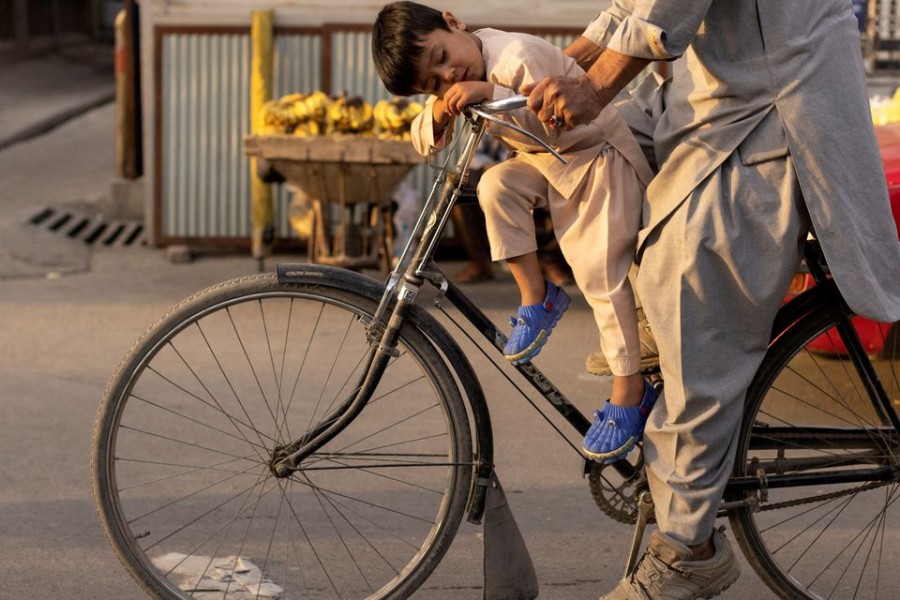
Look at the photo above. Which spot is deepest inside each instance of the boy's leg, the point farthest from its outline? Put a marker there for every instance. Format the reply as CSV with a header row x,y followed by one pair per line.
x,y
526,270
508,192
597,230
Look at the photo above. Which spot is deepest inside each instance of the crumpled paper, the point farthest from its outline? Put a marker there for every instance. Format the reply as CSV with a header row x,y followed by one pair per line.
x,y
207,577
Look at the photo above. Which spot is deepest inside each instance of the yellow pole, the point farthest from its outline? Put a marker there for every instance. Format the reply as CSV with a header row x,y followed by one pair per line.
x,y
262,216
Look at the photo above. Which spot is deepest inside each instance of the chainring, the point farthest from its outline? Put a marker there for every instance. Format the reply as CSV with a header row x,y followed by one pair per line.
x,y
617,496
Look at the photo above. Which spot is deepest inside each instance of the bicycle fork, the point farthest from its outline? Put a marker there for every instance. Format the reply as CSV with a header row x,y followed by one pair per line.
x,y
383,339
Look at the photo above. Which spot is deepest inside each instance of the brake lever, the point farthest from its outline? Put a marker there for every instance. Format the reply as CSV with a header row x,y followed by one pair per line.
x,y
511,103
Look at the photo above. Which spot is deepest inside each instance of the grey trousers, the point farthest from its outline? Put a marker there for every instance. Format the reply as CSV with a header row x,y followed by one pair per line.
x,y
711,279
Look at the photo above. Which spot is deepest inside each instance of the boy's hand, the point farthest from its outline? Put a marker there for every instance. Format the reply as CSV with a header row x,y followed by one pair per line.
x,y
464,93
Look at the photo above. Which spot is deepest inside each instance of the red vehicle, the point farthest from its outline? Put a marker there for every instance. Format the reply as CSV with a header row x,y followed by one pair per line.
x,y
871,333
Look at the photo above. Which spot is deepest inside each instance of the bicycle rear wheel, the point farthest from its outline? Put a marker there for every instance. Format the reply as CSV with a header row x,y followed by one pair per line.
x,y
186,430
809,413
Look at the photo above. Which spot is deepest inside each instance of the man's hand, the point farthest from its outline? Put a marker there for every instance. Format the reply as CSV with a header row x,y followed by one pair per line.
x,y
576,100
461,94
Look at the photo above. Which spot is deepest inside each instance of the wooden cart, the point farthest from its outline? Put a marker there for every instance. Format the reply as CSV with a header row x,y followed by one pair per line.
x,y
350,180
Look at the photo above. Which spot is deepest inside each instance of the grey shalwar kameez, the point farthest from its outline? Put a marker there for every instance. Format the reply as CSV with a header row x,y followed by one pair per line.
x,y
766,133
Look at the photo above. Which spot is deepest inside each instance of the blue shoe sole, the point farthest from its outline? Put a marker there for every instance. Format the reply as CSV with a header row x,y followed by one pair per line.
x,y
612,455
537,345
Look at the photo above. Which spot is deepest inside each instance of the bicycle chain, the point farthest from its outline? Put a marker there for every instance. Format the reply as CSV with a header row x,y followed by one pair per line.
x,y
819,498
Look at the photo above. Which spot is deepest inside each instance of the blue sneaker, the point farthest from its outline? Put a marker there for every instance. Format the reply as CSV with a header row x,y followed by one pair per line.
x,y
617,429
533,325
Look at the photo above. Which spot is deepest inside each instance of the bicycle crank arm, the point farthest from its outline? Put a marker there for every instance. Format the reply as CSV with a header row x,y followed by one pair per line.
x,y
645,511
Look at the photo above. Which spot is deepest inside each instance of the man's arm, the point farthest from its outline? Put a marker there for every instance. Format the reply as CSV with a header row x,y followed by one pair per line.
x,y
584,51
627,36
580,100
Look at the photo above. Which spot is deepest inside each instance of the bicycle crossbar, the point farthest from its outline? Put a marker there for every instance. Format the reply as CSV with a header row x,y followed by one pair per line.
x,y
822,438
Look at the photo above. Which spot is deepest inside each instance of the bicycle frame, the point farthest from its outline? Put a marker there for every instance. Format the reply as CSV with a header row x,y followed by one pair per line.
x,y
416,267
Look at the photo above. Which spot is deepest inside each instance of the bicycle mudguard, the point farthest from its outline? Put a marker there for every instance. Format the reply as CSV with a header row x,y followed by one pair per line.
x,y
508,570
335,277
823,294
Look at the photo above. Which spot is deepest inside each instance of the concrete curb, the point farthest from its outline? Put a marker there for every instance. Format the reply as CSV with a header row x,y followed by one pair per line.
x,y
56,119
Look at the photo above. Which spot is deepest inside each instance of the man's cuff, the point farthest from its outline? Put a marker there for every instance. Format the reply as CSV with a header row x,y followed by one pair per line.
x,y
641,39
602,28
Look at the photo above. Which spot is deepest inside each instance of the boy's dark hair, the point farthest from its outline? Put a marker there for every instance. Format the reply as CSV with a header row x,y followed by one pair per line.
x,y
396,42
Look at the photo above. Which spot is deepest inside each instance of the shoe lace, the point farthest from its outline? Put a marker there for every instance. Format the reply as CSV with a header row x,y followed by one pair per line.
x,y
651,575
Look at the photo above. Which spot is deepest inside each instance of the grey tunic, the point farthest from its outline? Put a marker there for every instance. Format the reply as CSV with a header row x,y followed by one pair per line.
x,y
784,76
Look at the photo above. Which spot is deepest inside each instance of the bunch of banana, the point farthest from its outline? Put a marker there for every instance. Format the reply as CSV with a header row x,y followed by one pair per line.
x,y
393,117
317,105
283,115
351,115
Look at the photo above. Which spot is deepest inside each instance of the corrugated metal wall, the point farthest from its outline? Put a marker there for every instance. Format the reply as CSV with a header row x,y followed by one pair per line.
x,y
205,114
205,189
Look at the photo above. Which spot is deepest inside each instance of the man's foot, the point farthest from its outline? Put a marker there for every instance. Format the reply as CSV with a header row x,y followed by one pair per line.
x,y
559,275
596,363
667,571
474,272
617,429
533,325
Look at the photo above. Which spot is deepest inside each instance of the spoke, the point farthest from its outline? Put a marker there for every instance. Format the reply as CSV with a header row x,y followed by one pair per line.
x,y
305,356
217,407
198,422
375,524
228,524
177,441
372,504
315,410
228,381
193,469
309,542
368,470
207,513
280,405
284,351
318,498
192,494
250,364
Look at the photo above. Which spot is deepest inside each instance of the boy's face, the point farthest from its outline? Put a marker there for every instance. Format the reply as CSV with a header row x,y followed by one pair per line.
x,y
448,57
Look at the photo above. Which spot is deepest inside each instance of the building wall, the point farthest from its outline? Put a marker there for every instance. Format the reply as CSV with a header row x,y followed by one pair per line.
x,y
195,100
543,13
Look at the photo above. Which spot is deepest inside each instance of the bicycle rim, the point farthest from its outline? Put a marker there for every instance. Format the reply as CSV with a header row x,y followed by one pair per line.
x,y
811,414
185,433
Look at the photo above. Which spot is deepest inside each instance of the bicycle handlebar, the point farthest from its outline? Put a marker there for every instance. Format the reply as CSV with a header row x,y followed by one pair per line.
x,y
488,110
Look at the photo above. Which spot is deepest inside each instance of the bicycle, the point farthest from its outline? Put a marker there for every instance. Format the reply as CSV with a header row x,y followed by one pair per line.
x,y
276,487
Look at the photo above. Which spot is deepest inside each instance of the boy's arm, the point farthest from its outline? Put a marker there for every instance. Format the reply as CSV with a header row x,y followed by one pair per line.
x,y
431,127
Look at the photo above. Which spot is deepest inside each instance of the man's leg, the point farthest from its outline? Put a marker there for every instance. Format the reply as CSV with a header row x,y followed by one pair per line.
x,y
712,277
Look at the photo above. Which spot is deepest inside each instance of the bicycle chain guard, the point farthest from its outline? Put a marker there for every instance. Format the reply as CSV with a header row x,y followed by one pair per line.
x,y
615,496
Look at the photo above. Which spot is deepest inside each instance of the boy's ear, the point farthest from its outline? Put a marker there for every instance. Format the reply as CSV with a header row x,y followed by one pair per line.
x,y
452,21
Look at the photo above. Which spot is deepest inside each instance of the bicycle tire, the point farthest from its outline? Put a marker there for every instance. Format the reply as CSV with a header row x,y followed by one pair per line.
x,y
369,515
824,541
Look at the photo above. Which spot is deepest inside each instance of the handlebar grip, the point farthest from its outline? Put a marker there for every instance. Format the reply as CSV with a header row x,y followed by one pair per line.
x,y
504,104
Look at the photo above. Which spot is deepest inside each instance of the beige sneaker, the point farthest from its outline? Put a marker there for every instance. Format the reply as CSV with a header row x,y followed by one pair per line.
x,y
666,573
596,363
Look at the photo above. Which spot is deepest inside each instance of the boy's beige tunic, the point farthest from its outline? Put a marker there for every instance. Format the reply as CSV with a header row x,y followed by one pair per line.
x,y
595,201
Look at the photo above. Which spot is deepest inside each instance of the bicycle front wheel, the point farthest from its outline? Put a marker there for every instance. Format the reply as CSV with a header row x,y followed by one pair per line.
x,y
185,435
809,414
